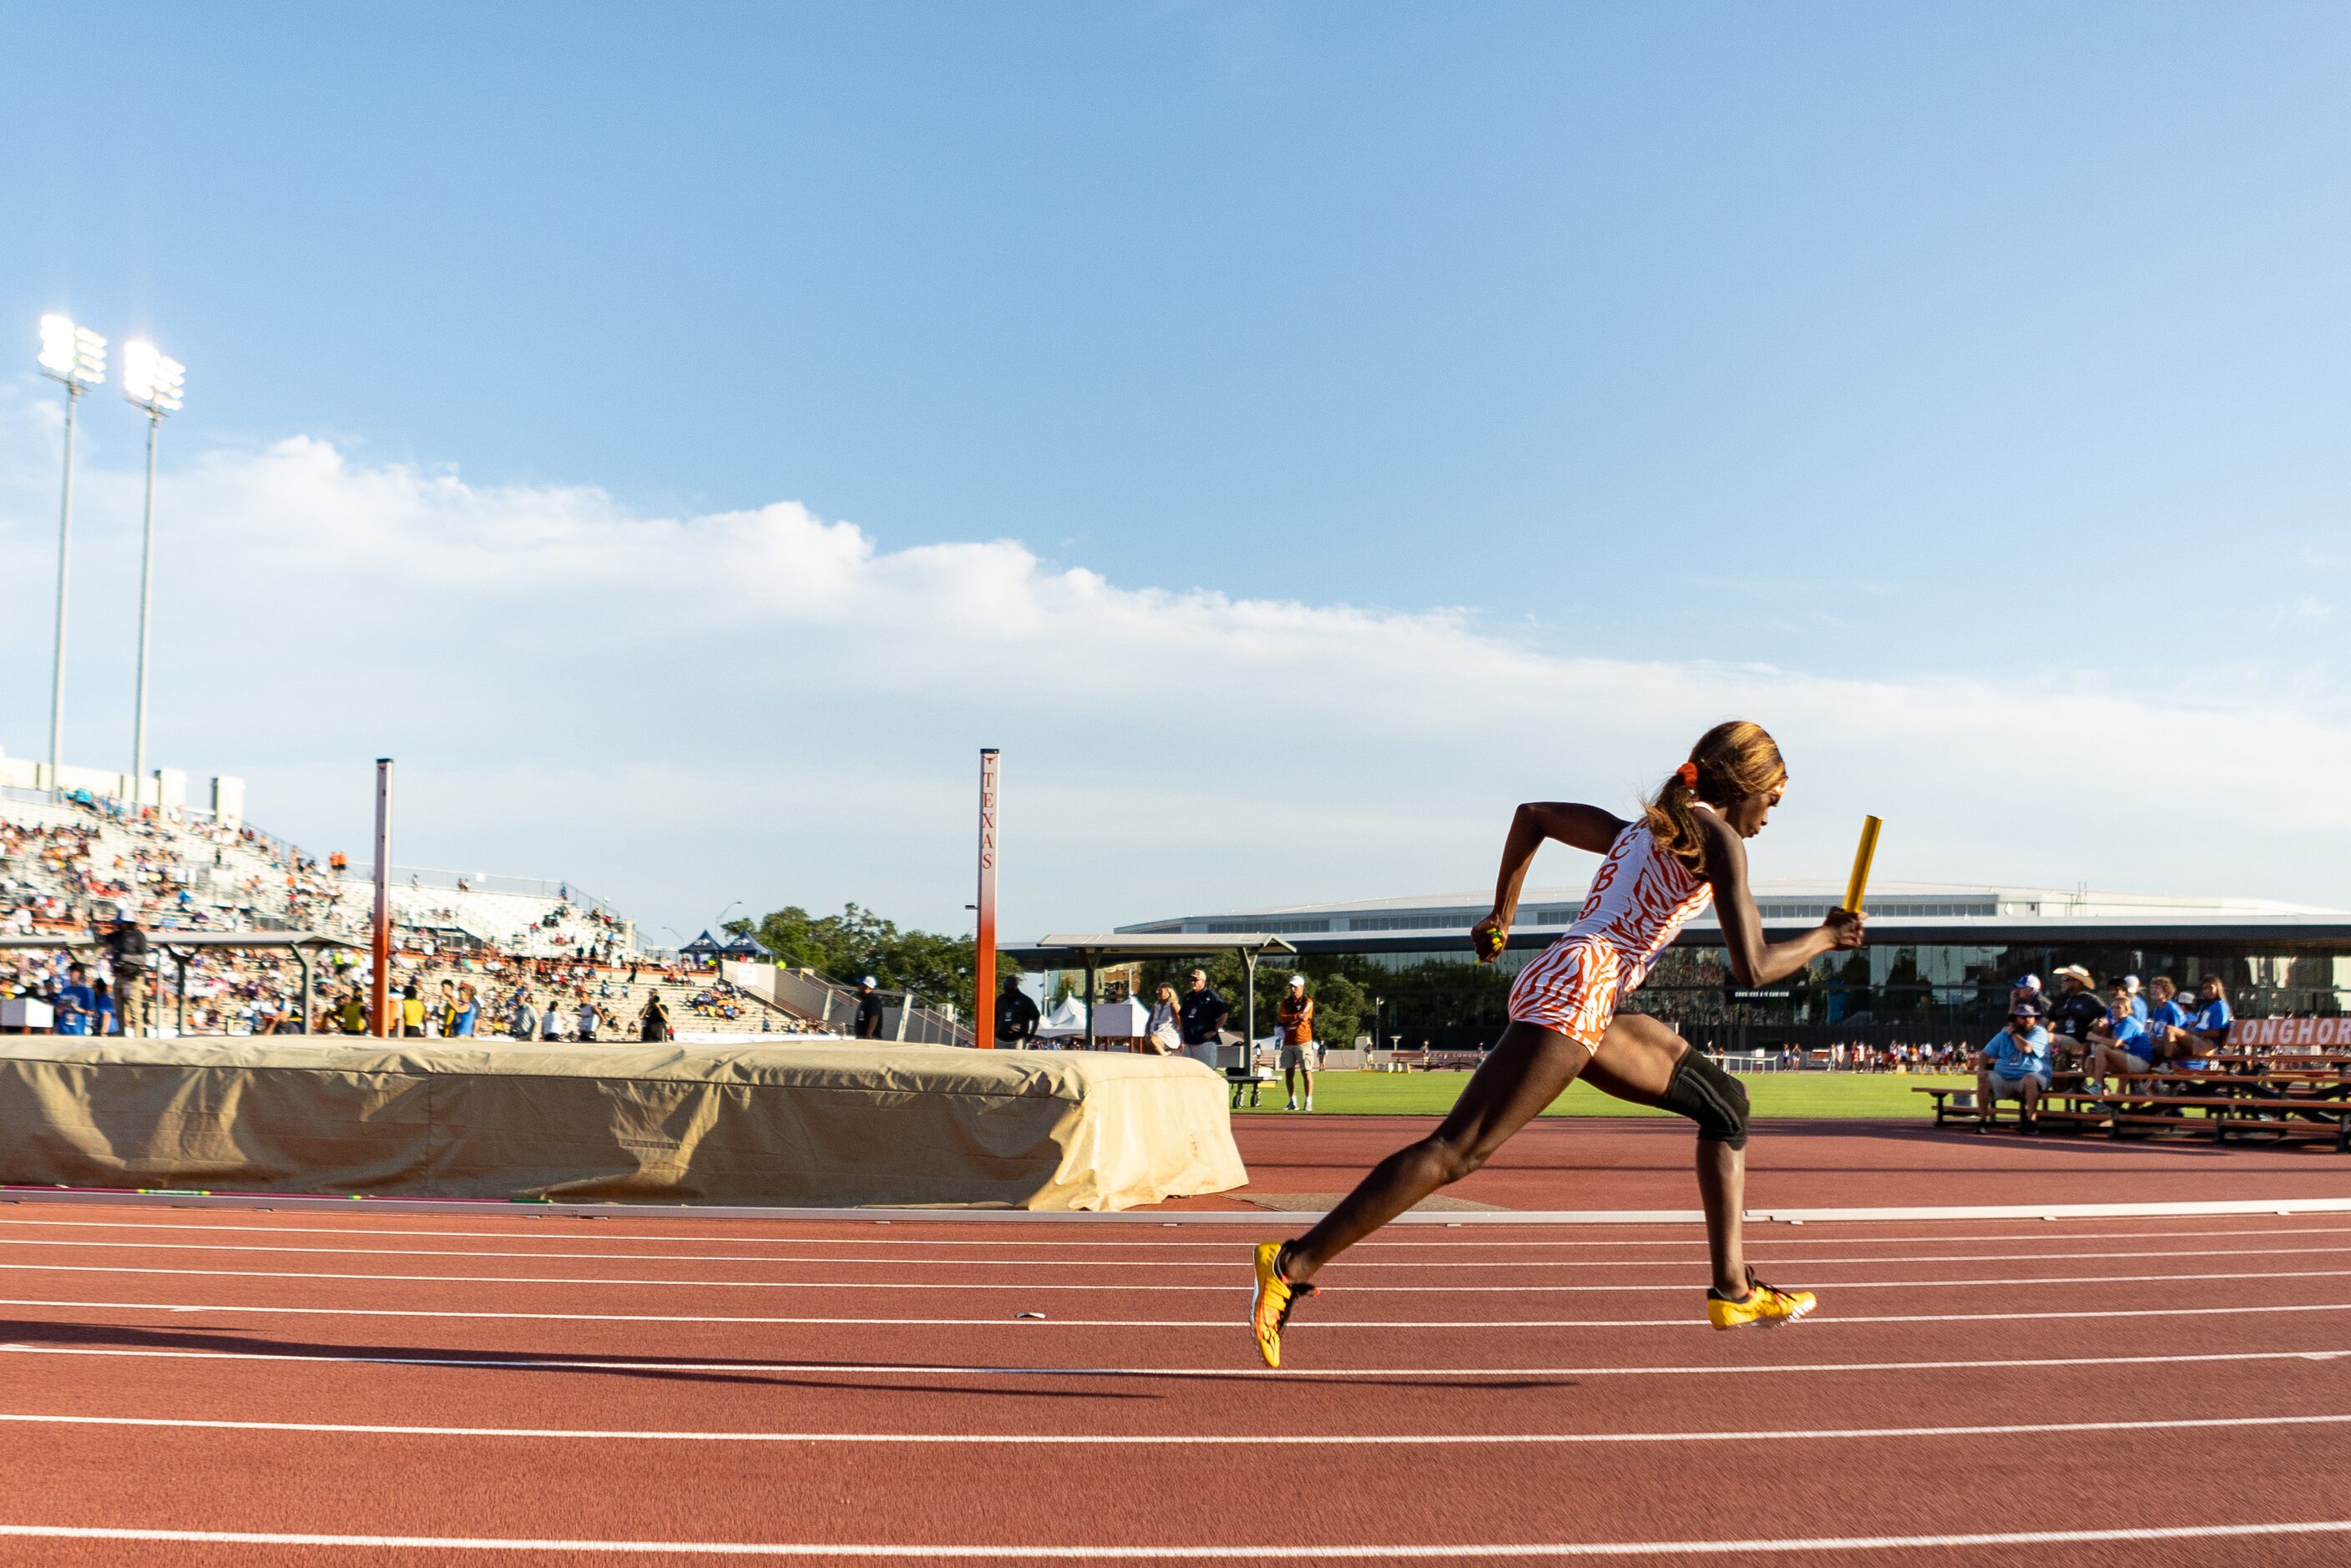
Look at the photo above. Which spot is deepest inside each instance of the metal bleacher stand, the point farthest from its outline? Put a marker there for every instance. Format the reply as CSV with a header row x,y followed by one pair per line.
x,y
180,945
1090,951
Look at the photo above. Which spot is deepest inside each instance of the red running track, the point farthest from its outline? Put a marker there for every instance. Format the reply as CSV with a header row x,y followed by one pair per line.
x,y
1593,1162
351,1384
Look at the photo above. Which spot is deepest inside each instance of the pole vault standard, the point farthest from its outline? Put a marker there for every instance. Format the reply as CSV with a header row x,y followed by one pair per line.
x,y
383,944
983,979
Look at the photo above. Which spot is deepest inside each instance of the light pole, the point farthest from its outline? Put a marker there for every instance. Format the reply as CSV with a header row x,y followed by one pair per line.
x,y
152,381
76,357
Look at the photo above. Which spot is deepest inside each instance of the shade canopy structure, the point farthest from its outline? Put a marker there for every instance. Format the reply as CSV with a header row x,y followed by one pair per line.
x,y
306,947
744,947
705,946
1088,951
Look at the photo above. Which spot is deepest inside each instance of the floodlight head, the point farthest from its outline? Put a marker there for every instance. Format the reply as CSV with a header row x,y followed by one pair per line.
x,y
71,354
56,345
151,380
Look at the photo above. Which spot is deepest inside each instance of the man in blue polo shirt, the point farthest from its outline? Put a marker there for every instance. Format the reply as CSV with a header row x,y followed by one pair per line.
x,y
2014,1065
1203,1014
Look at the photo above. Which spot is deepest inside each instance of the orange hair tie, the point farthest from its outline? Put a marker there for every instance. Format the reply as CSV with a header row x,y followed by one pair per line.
x,y
1688,773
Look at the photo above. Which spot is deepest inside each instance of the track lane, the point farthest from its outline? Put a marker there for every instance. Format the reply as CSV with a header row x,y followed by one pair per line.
x,y
859,1376
368,1484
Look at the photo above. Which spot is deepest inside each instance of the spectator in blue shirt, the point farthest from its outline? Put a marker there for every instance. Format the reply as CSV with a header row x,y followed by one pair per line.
x,y
2137,1002
76,1003
2168,1038
2015,1066
2210,1024
2119,1043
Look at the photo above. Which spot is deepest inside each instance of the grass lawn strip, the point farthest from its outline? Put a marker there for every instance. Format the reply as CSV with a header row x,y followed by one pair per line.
x,y
1886,1095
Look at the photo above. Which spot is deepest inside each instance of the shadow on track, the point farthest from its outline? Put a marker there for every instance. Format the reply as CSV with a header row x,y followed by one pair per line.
x,y
806,1373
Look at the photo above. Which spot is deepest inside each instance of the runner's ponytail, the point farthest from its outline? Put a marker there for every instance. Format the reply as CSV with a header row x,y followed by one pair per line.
x,y
1732,759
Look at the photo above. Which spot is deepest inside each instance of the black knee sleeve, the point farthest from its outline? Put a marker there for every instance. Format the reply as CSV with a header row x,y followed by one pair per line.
x,y
1711,1097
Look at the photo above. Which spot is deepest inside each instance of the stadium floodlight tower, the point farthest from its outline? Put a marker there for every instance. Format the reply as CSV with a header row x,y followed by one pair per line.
x,y
152,381
75,356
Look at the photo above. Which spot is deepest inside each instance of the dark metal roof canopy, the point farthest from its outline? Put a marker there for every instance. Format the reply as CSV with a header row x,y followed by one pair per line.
x,y
177,944
1090,950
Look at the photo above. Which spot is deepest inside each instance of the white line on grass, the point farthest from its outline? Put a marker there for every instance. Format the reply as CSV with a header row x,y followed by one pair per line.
x,y
1286,1551
1162,1439
1352,1266
1162,1288
925,1369
1026,1325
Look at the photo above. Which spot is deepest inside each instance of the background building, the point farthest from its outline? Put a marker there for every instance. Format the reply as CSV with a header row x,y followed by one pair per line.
x,y
1940,961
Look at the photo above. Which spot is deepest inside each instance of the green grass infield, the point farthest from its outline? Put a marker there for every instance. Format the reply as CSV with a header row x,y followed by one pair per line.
x,y
1886,1095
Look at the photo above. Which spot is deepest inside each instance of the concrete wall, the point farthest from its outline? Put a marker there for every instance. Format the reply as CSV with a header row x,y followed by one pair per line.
x,y
166,787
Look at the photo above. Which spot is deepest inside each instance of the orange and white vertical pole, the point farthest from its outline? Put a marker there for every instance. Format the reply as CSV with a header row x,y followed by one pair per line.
x,y
382,947
983,981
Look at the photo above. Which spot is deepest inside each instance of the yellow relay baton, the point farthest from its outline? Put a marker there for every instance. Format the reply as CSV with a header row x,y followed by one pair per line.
x,y
1857,884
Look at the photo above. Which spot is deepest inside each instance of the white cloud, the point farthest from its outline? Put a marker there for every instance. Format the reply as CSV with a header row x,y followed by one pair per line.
x,y
763,704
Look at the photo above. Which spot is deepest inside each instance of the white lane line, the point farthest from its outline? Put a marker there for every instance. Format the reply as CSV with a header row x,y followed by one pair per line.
x,y
1692,1246
1026,1325
1352,1266
917,1369
1161,1439
1159,1289
1286,1551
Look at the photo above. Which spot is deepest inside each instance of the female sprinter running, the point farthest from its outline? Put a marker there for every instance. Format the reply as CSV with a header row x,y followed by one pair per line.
x,y
1686,850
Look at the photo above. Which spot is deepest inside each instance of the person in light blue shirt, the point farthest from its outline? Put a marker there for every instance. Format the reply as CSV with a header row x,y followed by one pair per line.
x,y
2168,1038
2167,1013
2137,1002
2211,1023
2120,1044
76,1003
2014,1065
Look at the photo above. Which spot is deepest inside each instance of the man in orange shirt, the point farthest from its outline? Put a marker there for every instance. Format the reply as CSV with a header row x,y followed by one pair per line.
x,y
1297,1018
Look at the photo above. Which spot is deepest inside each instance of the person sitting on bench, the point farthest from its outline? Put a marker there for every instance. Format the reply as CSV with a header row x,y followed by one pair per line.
x,y
2015,1066
2168,1038
2118,1043
2210,1024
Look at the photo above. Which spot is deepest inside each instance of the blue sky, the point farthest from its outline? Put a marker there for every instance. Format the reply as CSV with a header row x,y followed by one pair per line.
x,y
1984,344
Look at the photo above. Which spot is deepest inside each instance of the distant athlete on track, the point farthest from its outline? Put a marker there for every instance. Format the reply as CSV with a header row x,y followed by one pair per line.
x,y
1687,850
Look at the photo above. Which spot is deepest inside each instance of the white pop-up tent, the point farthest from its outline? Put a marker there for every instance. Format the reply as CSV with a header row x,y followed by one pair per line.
x,y
1069,1018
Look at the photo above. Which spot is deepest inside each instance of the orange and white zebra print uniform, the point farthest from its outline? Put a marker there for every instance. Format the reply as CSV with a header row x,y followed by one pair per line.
x,y
1639,899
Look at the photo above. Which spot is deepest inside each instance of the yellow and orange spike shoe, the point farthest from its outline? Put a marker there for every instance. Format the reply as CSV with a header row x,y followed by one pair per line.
x,y
1762,1307
1269,1305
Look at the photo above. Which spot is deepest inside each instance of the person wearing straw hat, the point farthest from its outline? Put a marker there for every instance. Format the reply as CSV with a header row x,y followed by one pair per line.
x,y
1295,1017
2077,1010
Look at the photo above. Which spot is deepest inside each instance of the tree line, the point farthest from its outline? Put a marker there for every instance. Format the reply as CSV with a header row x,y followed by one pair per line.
x,y
1448,1004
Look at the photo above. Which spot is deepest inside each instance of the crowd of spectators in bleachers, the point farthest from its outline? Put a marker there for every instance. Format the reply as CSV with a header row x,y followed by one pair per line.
x,y
67,866
2097,1032
72,861
475,996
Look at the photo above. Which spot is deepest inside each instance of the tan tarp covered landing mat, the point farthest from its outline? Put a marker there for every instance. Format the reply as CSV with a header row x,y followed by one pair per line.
x,y
787,1124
